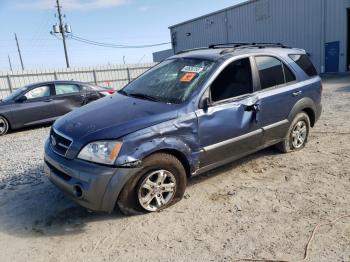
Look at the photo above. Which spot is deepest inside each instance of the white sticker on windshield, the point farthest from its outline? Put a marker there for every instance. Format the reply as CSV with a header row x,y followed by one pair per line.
x,y
192,69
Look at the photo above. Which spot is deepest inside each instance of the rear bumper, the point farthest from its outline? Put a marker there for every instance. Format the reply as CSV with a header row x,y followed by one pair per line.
x,y
100,185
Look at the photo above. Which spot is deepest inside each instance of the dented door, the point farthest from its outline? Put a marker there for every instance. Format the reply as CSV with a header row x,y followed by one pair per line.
x,y
228,131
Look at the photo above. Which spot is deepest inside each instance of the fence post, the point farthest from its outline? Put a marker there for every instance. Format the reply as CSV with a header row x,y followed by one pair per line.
x,y
95,76
55,75
128,72
9,83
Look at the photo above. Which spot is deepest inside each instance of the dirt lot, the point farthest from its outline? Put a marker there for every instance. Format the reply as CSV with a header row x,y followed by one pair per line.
x,y
263,206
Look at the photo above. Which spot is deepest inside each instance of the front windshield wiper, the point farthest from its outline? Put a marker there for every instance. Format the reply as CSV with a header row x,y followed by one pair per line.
x,y
144,96
123,92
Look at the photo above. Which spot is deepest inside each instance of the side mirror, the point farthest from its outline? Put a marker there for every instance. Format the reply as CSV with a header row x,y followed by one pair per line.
x,y
21,99
205,103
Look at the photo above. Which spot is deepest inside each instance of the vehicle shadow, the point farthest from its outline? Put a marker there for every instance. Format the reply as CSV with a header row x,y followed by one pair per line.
x,y
30,206
29,128
345,89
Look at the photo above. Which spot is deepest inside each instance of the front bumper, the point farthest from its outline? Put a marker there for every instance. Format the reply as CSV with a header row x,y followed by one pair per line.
x,y
100,185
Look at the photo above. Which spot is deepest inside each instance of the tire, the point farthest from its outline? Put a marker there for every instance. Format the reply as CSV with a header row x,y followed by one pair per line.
x,y
4,126
294,139
146,185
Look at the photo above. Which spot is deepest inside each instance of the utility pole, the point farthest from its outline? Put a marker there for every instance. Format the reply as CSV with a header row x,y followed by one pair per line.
x,y
63,32
10,62
19,52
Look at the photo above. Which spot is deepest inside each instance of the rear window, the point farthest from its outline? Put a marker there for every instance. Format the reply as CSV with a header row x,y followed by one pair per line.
x,y
62,89
290,77
304,62
270,71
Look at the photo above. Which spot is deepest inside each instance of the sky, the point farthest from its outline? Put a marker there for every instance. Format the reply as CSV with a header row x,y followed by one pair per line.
x,y
130,22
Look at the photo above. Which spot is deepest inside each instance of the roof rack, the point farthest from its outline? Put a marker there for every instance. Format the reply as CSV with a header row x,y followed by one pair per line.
x,y
233,46
228,45
192,49
243,45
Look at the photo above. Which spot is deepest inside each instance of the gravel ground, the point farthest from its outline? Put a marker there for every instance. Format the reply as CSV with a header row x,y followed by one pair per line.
x,y
263,206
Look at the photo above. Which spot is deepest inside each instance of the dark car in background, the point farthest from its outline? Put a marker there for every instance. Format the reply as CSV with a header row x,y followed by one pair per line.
x,y
191,113
44,102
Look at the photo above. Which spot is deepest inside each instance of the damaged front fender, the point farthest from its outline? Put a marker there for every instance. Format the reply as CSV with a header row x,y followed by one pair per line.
x,y
180,135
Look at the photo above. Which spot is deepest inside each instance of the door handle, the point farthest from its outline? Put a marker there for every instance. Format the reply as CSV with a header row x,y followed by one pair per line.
x,y
297,93
48,100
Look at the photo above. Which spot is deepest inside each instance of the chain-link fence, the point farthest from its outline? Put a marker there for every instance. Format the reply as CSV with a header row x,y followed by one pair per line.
x,y
114,76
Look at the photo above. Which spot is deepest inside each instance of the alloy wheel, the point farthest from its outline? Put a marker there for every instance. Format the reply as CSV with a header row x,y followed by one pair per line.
x,y
299,134
3,126
157,190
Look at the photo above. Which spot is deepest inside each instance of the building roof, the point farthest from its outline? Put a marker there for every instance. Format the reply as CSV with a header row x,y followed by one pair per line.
x,y
214,13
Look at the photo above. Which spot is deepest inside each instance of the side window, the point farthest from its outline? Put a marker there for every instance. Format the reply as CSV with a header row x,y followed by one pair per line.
x,y
38,92
290,77
235,80
304,62
62,89
270,71
86,88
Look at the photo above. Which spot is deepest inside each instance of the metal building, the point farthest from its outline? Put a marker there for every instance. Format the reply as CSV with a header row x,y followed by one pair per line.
x,y
318,26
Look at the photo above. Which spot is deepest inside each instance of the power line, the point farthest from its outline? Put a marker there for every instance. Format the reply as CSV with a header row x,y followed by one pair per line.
x,y
101,44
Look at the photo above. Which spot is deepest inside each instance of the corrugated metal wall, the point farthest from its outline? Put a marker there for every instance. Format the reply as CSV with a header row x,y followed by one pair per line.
x,y
201,32
162,55
299,23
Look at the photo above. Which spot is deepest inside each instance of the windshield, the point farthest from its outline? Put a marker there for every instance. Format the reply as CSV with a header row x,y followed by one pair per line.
x,y
14,94
172,81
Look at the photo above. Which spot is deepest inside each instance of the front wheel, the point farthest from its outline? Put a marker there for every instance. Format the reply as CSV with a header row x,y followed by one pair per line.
x,y
4,125
297,135
160,184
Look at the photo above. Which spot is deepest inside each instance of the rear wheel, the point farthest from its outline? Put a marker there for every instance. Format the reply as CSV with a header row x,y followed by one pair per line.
x,y
160,184
297,135
4,126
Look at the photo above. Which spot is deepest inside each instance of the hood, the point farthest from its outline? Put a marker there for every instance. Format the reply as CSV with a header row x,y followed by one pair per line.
x,y
113,117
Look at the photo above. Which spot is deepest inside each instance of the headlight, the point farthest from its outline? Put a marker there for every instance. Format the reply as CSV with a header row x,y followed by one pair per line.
x,y
103,152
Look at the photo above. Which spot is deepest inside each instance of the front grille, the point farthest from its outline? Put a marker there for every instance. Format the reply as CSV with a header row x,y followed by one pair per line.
x,y
59,143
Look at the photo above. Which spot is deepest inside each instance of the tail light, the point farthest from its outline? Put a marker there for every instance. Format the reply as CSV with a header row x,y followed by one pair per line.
x,y
108,92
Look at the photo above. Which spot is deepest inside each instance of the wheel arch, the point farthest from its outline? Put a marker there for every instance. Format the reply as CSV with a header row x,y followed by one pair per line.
x,y
8,121
178,155
311,114
307,106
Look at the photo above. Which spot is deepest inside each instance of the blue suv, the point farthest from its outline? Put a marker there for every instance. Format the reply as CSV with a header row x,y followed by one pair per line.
x,y
193,112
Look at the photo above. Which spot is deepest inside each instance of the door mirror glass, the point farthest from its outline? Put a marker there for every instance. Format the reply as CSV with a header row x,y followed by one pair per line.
x,y
205,103
21,99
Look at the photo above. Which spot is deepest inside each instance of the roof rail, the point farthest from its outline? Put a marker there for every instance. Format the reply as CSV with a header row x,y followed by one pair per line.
x,y
259,45
233,46
192,49
228,45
